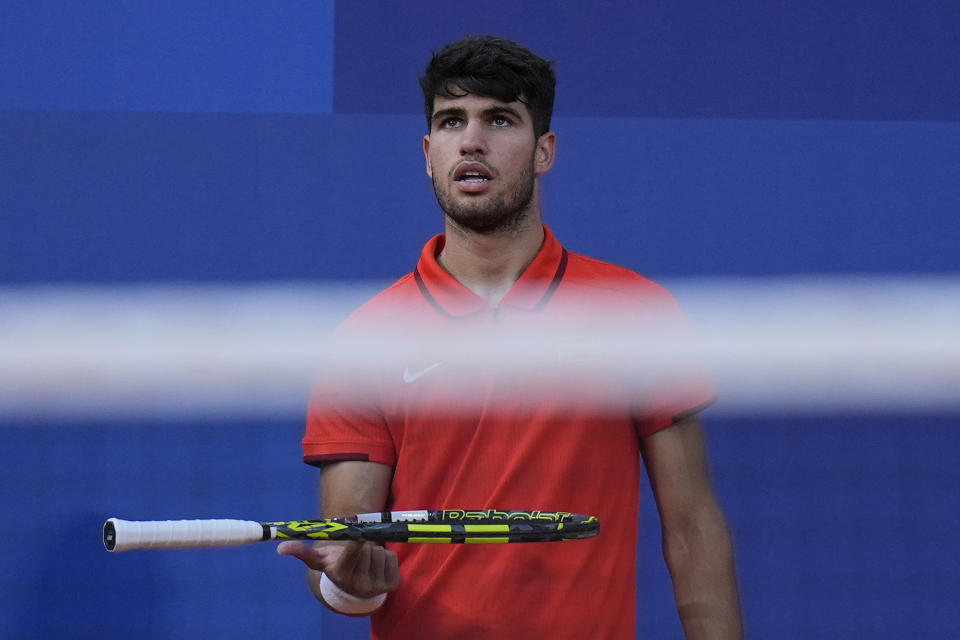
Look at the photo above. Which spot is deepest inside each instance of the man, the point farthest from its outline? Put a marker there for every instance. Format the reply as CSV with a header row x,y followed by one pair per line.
x,y
497,267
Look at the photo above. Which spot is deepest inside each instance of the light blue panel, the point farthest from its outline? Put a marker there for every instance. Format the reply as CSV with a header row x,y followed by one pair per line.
x,y
673,197
181,56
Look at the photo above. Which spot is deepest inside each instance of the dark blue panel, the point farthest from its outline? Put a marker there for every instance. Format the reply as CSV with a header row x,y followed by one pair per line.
x,y
849,515
169,56
132,197
854,519
61,481
756,59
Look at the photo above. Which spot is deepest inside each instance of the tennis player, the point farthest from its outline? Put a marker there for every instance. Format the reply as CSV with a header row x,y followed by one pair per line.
x,y
497,267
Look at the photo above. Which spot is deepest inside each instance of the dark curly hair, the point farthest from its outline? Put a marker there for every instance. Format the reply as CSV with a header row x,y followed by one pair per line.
x,y
494,68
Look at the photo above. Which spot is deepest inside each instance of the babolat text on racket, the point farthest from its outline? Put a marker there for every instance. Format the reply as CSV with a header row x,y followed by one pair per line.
x,y
479,526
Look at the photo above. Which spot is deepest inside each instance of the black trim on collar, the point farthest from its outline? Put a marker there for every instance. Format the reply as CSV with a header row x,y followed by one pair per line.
x,y
548,294
557,277
429,296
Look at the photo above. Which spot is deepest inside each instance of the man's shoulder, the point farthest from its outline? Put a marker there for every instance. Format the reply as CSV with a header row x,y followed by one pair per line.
x,y
590,273
400,298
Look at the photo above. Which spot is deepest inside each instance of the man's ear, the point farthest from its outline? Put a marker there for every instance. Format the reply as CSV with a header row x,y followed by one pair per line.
x,y
545,153
426,155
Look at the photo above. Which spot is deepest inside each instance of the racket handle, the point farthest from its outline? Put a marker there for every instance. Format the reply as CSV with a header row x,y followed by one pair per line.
x,y
121,535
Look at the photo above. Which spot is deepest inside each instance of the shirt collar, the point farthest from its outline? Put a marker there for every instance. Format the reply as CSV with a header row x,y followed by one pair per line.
x,y
531,291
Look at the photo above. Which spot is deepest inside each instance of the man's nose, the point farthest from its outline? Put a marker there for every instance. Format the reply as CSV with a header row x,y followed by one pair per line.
x,y
473,139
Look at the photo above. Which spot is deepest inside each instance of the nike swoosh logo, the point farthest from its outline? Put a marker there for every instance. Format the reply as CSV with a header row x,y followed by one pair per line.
x,y
413,376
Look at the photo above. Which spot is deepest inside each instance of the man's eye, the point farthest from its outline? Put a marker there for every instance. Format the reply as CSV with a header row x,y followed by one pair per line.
x,y
450,123
500,121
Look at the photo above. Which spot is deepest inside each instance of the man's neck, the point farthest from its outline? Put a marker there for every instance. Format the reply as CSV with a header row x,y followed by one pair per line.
x,y
490,264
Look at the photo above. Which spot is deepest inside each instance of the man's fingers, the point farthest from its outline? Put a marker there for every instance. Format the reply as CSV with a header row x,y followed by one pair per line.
x,y
360,568
376,571
391,570
384,568
291,548
346,563
313,558
378,560
360,580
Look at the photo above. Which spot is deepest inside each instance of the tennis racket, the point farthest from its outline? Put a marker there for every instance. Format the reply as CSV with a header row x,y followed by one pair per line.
x,y
482,526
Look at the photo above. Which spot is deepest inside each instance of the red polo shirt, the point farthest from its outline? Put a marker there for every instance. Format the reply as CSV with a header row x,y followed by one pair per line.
x,y
499,449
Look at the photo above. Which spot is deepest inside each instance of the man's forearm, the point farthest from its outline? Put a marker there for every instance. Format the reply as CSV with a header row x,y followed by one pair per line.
x,y
701,562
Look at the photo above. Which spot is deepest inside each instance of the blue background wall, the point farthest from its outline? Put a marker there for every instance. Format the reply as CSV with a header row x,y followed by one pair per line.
x,y
234,141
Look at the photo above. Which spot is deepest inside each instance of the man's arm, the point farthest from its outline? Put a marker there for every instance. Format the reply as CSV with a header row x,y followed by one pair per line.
x,y
697,545
361,569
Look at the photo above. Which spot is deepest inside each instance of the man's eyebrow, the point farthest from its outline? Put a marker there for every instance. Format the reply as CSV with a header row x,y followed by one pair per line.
x,y
498,110
455,112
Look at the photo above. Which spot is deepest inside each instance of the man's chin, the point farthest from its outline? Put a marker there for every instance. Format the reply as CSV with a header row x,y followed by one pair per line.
x,y
484,213
485,222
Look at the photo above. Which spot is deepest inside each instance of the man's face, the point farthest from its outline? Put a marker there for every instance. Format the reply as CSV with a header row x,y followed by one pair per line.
x,y
483,159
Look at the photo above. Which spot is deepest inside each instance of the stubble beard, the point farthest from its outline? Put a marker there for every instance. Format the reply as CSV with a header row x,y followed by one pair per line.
x,y
483,214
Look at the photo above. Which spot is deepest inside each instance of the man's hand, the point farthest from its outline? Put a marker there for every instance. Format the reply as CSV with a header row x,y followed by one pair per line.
x,y
362,569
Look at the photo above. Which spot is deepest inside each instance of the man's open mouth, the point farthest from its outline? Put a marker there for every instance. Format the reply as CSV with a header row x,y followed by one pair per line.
x,y
472,172
473,177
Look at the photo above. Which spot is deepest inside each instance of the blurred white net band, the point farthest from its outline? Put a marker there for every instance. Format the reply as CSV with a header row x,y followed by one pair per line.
x,y
778,345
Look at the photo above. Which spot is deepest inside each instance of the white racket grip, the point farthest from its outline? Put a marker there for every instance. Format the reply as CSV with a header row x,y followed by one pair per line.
x,y
122,535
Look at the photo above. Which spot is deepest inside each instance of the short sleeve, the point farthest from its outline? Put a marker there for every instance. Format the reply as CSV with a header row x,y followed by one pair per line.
x,y
345,420
686,386
343,427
